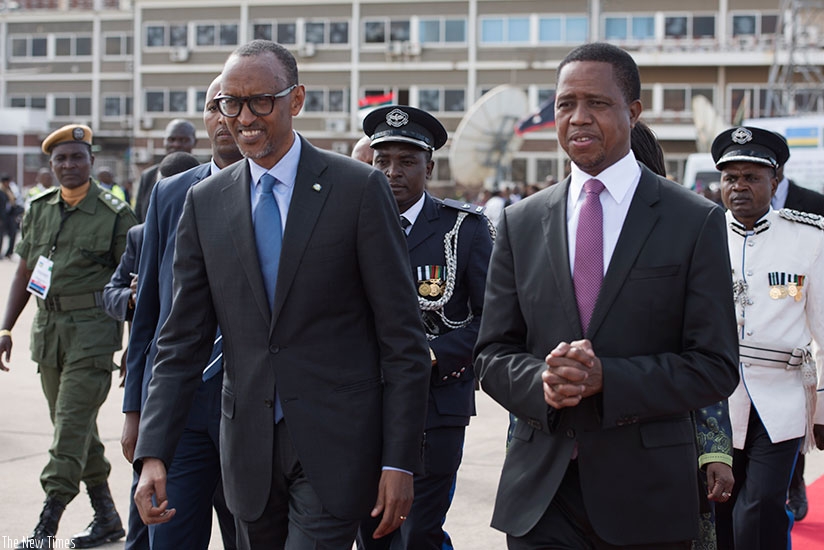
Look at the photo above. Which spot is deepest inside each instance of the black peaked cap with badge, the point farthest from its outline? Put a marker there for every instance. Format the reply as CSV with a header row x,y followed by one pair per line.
x,y
750,144
71,133
404,124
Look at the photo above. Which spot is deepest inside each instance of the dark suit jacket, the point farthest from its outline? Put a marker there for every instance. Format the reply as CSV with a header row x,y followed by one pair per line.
x,y
451,399
804,200
664,329
118,290
148,179
344,342
154,297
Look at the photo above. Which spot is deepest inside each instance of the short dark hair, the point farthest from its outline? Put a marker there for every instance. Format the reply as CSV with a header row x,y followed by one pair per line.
x,y
646,148
259,47
176,162
623,66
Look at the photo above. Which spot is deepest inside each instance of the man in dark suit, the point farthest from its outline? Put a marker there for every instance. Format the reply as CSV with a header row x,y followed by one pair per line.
x,y
194,475
326,367
607,319
450,297
180,136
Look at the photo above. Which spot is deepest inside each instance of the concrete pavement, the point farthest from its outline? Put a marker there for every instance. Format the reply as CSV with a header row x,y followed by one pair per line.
x,y
25,435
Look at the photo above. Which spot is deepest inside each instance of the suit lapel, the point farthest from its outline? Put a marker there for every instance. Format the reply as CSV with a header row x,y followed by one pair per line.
x,y
424,226
236,196
307,202
641,218
555,233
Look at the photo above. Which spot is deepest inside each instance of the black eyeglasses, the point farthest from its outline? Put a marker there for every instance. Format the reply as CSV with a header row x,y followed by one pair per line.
x,y
260,105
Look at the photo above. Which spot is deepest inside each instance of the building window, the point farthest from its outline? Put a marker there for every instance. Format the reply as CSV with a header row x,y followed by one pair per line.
x,y
440,30
377,31
326,100
117,45
167,101
323,32
686,26
155,36
629,27
29,46
753,24
560,29
503,30
283,33
72,106
72,46
442,100
116,106
28,102
216,34
200,100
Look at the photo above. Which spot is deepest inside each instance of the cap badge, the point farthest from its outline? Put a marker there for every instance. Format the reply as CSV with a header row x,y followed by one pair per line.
x,y
78,133
741,136
397,118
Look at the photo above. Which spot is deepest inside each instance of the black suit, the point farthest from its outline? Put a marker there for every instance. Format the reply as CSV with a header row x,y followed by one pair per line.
x,y
344,342
804,200
148,179
664,330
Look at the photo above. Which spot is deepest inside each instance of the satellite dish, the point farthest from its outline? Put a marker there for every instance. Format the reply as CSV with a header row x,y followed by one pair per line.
x,y
708,123
485,141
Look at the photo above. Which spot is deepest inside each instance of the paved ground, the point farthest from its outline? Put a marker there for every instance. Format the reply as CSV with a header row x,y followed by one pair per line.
x,y
25,435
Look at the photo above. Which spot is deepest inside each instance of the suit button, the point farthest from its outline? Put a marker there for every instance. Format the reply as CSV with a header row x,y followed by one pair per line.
x,y
274,349
570,433
268,403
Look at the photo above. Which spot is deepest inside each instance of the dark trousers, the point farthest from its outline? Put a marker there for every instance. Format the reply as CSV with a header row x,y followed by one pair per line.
x,y
294,518
756,516
423,529
565,525
193,483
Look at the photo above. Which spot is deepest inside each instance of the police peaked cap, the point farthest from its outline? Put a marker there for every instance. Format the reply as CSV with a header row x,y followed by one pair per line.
x,y
404,124
750,144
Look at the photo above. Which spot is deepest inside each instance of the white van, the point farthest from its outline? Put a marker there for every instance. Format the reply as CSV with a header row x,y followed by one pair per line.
x,y
700,172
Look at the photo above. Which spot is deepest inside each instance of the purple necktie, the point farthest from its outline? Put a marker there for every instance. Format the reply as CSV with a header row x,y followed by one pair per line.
x,y
589,252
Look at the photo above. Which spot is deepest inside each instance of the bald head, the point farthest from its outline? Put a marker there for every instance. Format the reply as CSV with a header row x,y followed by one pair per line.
x,y
180,136
363,150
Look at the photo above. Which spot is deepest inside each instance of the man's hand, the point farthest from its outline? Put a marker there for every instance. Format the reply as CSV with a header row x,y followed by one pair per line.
x,y
153,483
5,350
573,372
395,493
128,439
719,481
818,433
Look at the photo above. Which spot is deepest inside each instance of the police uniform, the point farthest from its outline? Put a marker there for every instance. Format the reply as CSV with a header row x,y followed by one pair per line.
x,y
449,245
778,282
72,338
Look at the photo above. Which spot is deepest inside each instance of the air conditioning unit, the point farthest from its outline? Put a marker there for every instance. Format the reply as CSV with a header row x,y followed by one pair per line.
x,y
307,49
146,123
179,55
395,48
336,125
412,48
141,155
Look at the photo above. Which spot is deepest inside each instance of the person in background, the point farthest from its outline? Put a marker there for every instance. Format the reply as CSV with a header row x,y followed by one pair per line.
x,y
43,182
73,236
180,135
105,178
14,208
362,150
449,243
194,474
603,330
778,274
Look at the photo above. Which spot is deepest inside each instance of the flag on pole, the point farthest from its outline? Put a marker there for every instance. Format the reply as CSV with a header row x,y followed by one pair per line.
x,y
371,102
543,118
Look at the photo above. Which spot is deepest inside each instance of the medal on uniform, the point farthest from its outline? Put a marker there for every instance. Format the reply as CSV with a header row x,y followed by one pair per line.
x,y
430,280
798,287
777,290
423,289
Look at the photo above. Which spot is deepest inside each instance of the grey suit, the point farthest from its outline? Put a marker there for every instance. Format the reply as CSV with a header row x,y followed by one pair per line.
x,y
344,343
664,329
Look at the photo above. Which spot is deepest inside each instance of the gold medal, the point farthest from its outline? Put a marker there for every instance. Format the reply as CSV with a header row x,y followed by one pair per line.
x,y
424,289
782,291
775,293
434,290
798,295
792,290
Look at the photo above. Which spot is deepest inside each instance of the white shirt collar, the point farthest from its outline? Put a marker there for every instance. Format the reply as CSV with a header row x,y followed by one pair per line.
x,y
780,198
412,212
618,179
285,170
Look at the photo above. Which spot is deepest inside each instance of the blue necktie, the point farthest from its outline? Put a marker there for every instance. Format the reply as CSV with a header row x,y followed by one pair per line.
x,y
215,364
268,235
268,238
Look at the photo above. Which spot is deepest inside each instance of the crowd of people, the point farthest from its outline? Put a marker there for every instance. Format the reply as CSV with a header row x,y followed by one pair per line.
x,y
307,331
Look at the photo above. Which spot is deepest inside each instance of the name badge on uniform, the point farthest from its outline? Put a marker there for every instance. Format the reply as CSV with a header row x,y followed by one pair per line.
x,y
41,278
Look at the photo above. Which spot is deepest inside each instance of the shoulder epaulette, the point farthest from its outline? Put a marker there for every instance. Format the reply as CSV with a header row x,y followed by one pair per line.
x,y
464,206
45,193
804,217
107,197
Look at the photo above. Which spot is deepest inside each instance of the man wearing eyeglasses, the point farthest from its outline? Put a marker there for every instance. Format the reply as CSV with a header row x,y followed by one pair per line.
x,y
299,255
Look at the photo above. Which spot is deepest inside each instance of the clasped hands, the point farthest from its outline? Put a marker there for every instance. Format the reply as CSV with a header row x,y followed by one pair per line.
x,y
573,372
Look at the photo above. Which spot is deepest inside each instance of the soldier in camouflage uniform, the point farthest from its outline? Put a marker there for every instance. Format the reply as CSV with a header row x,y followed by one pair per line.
x,y
73,237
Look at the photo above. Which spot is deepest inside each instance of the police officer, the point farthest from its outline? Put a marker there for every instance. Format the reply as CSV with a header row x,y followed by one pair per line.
x,y
73,237
777,259
449,245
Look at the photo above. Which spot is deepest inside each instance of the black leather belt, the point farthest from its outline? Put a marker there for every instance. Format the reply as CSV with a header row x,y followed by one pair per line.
x,y
69,303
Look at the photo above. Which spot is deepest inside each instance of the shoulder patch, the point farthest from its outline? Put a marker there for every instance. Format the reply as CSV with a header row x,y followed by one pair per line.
x,y
113,203
803,217
46,193
464,206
